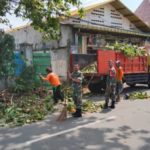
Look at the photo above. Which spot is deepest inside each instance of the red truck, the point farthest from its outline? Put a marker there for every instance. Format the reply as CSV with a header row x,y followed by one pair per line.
x,y
136,69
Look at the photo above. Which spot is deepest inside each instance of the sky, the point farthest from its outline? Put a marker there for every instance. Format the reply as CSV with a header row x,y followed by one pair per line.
x,y
15,22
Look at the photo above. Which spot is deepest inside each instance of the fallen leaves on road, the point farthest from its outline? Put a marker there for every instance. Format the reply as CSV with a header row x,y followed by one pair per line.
x,y
139,95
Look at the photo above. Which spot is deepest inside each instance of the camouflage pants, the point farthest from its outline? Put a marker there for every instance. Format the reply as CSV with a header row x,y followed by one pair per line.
x,y
110,93
77,98
119,87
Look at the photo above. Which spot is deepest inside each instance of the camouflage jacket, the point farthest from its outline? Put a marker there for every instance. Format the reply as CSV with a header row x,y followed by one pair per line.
x,y
77,87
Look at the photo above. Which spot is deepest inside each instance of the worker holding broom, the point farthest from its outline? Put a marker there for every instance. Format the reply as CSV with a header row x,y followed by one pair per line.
x,y
110,85
76,77
119,77
54,80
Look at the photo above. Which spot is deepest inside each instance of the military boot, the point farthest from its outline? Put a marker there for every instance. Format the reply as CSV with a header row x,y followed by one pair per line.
x,y
112,105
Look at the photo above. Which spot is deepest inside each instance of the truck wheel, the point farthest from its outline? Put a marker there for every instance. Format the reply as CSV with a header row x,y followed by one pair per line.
x,y
95,87
149,84
131,84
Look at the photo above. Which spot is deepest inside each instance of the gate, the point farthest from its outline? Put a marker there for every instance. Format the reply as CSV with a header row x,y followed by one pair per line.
x,y
41,60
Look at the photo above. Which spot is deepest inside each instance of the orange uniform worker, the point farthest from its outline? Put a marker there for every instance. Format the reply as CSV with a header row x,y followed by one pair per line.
x,y
54,80
119,77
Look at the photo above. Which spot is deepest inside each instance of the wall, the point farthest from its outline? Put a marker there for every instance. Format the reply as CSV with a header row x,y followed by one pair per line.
x,y
59,62
105,15
58,54
28,35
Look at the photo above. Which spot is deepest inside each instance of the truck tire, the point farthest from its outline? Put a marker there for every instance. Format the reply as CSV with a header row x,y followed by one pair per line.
x,y
96,88
149,84
131,84
149,81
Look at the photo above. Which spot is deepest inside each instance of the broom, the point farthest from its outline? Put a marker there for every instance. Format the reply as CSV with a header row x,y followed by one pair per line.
x,y
63,114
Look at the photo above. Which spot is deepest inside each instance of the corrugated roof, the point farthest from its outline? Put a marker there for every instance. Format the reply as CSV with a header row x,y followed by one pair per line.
x,y
109,29
119,6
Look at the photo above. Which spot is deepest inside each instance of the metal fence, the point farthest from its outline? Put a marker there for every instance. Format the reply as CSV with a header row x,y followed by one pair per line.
x,y
41,60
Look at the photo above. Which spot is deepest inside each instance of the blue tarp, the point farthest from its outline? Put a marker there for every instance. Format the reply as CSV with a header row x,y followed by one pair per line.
x,y
19,63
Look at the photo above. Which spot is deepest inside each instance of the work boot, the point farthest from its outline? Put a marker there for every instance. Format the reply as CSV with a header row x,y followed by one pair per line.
x,y
78,113
112,105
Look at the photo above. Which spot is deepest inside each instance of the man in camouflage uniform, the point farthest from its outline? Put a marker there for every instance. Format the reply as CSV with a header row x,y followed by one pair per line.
x,y
110,85
76,77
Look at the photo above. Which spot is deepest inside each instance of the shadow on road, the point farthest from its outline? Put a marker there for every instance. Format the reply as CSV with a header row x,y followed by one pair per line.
x,y
93,139
81,139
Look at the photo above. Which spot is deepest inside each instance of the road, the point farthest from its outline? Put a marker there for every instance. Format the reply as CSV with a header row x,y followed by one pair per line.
x,y
125,128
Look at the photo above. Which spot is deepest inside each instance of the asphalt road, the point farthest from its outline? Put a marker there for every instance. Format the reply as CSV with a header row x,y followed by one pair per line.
x,y
125,128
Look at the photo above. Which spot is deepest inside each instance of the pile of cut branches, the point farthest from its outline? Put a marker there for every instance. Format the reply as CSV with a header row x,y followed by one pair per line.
x,y
17,110
139,95
92,68
127,49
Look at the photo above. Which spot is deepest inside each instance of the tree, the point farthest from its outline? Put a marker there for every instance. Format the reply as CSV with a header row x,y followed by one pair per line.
x,y
44,14
7,45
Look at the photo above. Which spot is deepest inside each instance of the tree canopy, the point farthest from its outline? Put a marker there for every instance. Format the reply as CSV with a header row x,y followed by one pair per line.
x,y
7,45
44,14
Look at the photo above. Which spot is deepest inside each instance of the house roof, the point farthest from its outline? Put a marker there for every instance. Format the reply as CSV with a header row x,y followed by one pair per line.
x,y
119,6
17,28
143,11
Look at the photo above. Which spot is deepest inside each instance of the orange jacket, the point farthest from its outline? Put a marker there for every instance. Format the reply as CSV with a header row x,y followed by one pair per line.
x,y
119,74
53,79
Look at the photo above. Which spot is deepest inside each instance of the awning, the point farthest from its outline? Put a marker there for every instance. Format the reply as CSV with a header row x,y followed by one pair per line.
x,y
109,29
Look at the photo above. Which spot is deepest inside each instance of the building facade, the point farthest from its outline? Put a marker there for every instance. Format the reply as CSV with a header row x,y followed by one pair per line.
x,y
104,22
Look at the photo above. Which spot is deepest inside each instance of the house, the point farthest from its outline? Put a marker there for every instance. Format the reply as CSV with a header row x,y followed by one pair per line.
x,y
104,22
143,11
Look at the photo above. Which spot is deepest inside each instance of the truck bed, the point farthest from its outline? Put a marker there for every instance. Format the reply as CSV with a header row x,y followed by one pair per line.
x,y
131,65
